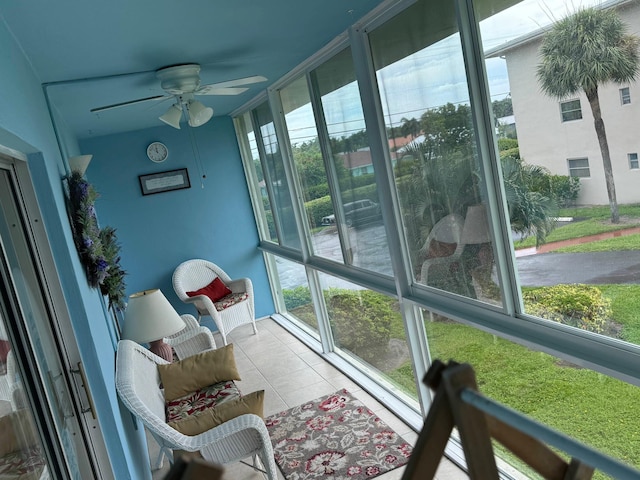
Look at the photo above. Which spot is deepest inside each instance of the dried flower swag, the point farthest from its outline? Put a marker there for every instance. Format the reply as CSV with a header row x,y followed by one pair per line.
x,y
98,248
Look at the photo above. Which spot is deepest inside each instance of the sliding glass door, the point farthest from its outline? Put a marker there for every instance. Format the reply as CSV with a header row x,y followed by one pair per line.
x,y
42,437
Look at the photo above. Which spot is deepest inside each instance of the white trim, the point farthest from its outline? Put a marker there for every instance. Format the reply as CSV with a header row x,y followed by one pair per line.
x,y
14,154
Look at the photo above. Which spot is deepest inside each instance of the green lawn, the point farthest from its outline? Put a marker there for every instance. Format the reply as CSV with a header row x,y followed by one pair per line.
x,y
628,242
595,409
589,221
625,304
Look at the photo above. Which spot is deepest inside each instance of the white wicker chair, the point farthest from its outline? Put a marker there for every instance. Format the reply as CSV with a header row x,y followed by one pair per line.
x,y
192,339
192,275
138,385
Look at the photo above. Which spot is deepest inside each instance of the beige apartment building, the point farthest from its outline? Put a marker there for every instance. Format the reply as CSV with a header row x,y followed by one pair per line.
x,y
560,135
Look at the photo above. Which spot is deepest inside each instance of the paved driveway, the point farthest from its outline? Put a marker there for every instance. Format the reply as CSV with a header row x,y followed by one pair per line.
x,y
591,268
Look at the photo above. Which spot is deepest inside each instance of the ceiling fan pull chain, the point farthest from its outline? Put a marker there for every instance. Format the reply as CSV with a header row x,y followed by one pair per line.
x,y
196,155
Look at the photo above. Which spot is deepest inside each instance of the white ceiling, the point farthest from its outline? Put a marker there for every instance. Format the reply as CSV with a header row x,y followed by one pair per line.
x,y
90,53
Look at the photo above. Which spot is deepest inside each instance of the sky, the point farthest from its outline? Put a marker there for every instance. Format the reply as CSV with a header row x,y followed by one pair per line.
x,y
434,75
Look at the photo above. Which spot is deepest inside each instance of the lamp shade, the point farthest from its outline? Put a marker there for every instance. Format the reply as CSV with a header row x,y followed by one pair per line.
x,y
476,229
172,116
80,163
198,113
149,316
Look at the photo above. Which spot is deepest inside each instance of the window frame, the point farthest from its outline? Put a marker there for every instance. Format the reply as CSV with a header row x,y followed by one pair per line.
x,y
564,112
633,157
625,96
602,354
571,169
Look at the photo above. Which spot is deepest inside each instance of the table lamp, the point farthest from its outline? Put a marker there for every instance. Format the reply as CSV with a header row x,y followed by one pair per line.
x,y
80,163
476,226
148,318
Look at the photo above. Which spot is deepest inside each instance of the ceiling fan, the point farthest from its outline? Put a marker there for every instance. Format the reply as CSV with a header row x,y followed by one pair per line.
x,y
183,83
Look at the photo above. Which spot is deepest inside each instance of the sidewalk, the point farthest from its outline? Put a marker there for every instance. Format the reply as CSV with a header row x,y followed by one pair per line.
x,y
549,247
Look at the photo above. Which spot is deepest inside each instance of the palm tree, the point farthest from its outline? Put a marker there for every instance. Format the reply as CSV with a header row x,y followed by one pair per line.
x,y
580,52
531,213
410,127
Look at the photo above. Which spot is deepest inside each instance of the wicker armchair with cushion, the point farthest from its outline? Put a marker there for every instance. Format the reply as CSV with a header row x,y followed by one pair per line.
x,y
205,285
182,422
192,339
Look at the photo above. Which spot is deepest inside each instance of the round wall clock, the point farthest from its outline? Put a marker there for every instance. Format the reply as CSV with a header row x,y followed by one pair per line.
x,y
157,152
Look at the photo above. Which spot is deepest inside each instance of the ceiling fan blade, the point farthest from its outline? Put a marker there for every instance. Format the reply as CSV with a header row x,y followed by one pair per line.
x,y
131,102
215,90
238,81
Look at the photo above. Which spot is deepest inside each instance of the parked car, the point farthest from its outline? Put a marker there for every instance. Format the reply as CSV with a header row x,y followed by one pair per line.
x,y
356,213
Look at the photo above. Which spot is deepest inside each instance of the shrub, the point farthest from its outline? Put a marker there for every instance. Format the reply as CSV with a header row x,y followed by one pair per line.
x,y
405,166
296,297
507,144
317,191
581,306
357,181
366,192
565,189
318,208
510,152
361,320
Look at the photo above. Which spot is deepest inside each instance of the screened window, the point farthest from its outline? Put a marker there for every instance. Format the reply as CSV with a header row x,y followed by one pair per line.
x,y
570,110
276,182
442,164
432,138
625,96
633,161
357,215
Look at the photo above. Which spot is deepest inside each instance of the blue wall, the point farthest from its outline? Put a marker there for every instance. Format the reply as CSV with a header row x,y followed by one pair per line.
x,y
212,220
25,126
157,232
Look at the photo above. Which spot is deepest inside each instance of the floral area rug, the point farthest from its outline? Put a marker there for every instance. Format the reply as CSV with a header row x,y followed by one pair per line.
x,y
334,437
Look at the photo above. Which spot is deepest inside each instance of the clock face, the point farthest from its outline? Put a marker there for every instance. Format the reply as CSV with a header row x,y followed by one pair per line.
x,y
157,152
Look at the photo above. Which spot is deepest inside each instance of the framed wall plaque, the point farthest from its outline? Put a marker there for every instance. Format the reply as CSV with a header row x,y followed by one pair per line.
x,y
164,181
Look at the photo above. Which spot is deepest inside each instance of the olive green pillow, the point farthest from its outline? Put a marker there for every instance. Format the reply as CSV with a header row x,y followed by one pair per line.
x,y
214,416
198,371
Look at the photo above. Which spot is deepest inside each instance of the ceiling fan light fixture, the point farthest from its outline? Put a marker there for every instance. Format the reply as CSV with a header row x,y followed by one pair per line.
x,y
198,113
172,116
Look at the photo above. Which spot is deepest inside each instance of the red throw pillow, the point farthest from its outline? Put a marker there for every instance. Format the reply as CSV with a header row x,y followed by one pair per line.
x,y
215,290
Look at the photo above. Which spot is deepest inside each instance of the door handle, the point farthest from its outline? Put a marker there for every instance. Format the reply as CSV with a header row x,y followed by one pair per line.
x,y
83,378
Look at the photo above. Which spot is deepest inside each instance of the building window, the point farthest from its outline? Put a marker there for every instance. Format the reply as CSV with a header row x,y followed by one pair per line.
x,y
633,161
625,96
579,167
570,110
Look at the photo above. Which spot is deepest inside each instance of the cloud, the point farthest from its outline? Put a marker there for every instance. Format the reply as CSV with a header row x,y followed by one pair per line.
x,y
432,76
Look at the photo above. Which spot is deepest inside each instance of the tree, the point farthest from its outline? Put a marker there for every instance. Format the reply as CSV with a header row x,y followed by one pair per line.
x,y
449,127
502,108
581,52
308,159
531,212
410,127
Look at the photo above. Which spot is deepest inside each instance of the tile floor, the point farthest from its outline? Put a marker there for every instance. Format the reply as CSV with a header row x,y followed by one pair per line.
x,y
291,374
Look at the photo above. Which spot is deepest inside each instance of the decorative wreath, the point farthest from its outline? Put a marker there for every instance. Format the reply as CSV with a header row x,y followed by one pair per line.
x,y
98,248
